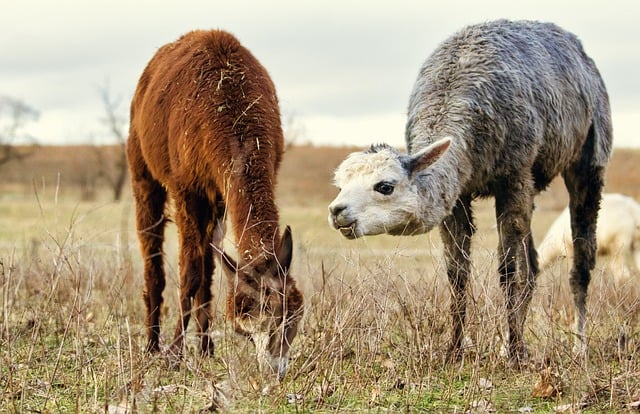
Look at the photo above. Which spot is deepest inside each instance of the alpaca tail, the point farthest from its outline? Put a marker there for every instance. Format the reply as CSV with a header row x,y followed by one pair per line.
x,y
601,134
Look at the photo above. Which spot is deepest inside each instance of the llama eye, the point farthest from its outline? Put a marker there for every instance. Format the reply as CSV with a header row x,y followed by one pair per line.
x,y
384,188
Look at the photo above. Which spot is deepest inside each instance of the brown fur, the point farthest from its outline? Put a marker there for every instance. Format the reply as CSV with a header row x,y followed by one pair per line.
x,y
205,131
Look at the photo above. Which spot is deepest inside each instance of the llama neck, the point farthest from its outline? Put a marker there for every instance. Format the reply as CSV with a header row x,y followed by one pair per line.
x,y
255,219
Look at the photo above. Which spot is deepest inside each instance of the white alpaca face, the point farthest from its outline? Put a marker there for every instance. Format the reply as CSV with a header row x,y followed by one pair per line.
x,y
378,192
376,196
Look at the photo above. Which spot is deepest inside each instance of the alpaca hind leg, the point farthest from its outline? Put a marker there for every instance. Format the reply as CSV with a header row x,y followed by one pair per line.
x,y
456,232
585,191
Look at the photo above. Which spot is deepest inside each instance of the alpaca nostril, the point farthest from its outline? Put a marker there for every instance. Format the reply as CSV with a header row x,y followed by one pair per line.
x,y
337,209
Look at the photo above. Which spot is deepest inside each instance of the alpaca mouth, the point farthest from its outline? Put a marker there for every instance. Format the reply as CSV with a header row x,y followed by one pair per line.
x,y
348,231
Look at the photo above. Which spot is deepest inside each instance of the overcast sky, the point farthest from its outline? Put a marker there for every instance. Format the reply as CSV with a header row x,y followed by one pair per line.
x,y
343,69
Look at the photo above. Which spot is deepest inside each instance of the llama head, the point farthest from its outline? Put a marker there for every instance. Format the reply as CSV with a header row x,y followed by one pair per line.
x,y
379,192
264,304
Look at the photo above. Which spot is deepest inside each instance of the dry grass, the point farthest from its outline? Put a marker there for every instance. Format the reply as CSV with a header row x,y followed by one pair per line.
x,y
374,335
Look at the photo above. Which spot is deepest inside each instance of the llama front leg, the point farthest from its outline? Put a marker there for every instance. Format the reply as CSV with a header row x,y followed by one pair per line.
x,y
214,231
203,303
456,231
192,215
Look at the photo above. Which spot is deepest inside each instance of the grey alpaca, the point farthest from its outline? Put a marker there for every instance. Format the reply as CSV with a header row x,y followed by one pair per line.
x,y
499,109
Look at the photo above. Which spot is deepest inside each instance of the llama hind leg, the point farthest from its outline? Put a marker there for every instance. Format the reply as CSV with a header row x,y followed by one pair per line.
x,y
585,192
193,214
456,232
150,199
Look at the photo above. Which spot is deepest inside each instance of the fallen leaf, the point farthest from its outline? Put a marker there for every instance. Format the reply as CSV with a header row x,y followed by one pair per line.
x,y
563,408
485,384
294,398
375,393
117,409
481,406
548,386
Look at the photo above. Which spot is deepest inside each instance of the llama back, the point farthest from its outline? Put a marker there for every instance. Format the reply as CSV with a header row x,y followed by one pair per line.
x,y
206,90
499,87
205,119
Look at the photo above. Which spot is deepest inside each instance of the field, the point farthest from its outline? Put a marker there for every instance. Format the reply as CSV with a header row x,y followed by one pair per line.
x,y
376,324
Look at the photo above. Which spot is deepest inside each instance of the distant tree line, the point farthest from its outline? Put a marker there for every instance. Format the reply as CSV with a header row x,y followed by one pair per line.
x,y
87,167
14,116
104,166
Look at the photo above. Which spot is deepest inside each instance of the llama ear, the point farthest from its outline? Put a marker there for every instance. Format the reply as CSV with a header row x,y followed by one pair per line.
x,y
428,156
230,266
285,251
219,230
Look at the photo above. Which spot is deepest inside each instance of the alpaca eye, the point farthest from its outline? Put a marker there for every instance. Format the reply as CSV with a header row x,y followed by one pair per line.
x,y
384,188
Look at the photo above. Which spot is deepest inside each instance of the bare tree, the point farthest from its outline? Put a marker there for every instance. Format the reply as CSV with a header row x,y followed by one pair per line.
x,y
294,132
114,169
14,115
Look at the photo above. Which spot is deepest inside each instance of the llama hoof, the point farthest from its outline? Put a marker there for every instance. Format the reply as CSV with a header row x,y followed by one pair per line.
x,y
206,347
173,358
153,347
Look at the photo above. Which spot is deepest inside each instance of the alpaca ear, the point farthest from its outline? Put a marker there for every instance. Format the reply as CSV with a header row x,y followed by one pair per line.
x,y
285,251
428,156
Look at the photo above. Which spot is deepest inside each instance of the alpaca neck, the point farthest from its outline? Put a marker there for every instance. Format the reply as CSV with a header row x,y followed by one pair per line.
x,y
439,187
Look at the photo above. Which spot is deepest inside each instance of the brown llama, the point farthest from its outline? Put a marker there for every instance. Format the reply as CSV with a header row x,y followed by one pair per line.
x,y
205,131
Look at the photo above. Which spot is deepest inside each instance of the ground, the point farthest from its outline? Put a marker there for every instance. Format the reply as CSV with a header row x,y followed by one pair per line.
x,y
376,326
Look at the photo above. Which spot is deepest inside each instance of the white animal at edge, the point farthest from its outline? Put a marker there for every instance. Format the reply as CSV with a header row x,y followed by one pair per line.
x,y
617,235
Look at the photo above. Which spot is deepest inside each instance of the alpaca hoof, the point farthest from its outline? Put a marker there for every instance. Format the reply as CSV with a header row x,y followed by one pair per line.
x,y
580,349
454,355
518,358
